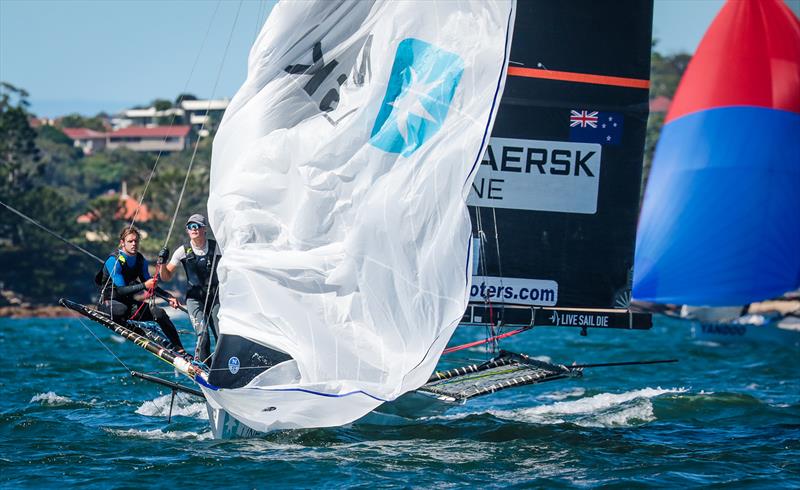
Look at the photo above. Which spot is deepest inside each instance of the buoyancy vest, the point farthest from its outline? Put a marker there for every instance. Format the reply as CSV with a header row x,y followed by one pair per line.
x,y
200,269
129,274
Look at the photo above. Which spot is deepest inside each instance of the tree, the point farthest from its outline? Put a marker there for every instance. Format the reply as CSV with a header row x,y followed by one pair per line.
x,y
180,98
78,121
19,157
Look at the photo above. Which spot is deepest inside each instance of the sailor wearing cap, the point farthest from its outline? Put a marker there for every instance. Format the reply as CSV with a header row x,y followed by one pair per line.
x,y
199,257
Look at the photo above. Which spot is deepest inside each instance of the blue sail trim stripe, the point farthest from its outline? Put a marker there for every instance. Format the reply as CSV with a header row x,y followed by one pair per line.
x,y
329,395
720,223
494,99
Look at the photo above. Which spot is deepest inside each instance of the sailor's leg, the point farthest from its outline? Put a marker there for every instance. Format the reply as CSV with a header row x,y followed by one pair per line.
x,y
117,310
200,324
161,317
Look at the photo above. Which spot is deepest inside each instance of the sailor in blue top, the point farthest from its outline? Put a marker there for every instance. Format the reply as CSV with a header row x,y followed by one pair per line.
x,y
124,274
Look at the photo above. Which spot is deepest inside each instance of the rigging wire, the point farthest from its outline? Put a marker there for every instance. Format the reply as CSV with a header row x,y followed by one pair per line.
x,y
44,228
174,113
202,126
104,345
160,152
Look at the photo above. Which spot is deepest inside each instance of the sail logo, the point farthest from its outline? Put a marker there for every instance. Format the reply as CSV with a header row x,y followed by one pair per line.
x,y
233,365
421,87
539,175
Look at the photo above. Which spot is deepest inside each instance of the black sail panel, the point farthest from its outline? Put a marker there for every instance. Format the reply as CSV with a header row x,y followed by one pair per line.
x,y
555,201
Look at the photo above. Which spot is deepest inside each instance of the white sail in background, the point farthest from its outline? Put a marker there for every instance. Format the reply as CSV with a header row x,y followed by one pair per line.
x,y
338,181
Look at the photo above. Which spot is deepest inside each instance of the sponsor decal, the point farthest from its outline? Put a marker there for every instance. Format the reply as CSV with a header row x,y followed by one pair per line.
x,y
418,96
510,290
538,175
324,76
569,319
233,365
723,329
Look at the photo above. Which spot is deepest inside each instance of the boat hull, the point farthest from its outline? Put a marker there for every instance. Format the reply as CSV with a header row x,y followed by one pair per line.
x,y
777,330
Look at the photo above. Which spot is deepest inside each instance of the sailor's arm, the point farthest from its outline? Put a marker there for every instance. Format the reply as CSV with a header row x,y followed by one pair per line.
x,y
168,271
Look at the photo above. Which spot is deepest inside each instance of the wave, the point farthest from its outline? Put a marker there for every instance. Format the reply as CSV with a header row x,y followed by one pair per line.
x,y
602,410
51,399
159,434
185,405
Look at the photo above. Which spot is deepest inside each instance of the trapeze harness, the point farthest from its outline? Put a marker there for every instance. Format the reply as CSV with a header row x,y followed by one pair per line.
x,y
129,274
200,269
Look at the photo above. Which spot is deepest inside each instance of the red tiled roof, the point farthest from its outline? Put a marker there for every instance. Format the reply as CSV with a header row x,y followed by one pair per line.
x,y
158,131
128,206
82,133
660,104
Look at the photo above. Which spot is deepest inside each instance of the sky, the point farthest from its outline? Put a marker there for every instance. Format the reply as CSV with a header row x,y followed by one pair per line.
x,y
88,56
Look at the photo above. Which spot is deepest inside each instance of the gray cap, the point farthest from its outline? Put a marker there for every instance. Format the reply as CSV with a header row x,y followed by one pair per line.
x,y
197,218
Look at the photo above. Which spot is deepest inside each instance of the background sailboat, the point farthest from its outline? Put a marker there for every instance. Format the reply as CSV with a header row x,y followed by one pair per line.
x,y
720,223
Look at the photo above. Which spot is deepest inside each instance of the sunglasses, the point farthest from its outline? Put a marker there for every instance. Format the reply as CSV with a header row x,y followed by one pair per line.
x,y
194,226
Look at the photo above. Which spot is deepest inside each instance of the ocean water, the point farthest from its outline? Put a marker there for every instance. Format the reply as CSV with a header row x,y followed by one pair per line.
x,y
725,415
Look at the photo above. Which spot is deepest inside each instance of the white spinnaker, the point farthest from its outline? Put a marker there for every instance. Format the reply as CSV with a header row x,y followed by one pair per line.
x,y
343,223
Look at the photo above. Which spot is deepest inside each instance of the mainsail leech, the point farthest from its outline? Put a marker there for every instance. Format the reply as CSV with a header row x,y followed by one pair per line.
x,y
338,180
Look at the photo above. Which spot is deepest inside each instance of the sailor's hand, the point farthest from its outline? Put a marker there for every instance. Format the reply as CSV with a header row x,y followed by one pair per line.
x,y
148,284
163,255
174,303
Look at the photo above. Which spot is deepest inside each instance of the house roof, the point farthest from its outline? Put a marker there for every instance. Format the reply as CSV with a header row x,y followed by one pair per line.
x,y
155,132
128,206
83,133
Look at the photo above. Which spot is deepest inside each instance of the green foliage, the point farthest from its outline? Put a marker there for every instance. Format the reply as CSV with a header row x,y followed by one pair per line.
x,y
665,75
78,121
180,98
55,135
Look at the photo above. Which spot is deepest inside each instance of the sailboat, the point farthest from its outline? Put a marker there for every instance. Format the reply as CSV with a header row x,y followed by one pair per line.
x,y
341,176
720,227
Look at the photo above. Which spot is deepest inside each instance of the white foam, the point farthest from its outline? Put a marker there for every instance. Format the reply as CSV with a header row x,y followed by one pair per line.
x,y
185,405
51,399
561,395
602,410
160,434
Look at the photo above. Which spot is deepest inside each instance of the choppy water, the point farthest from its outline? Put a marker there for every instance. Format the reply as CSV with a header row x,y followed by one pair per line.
x,y
725,415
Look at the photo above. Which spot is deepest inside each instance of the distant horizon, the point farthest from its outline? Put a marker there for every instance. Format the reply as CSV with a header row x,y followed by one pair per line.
x,y
85,57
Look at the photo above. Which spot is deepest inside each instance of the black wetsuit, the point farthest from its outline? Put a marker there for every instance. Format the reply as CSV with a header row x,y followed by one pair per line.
x,y
121,277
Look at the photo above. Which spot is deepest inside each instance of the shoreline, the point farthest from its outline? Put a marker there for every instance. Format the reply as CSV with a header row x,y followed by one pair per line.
x,y
41,311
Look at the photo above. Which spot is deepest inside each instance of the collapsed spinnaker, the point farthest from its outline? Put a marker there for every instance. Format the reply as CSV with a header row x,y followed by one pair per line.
x,y
338,180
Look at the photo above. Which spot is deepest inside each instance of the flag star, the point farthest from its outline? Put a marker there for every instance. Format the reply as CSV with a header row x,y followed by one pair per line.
x,y
610,118
409,103
604,125
615,125
608,138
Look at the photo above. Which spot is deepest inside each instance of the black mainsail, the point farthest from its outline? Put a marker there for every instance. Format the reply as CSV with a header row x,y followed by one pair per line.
x,y
555,201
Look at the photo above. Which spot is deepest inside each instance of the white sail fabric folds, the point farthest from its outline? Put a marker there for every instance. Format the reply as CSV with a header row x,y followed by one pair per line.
x,y
338,185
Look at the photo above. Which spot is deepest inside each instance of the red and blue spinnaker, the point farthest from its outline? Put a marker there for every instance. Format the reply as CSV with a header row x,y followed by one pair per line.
x,y
720,223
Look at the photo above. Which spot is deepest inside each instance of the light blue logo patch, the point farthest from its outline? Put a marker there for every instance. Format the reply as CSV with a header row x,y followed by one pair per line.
x,y
421,87
233,365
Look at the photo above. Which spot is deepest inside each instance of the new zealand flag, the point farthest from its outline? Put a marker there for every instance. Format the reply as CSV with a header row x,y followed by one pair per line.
x,y
595,127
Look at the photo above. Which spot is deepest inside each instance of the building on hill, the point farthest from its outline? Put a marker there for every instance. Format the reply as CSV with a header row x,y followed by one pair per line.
x,y
128,209
197,113
201,113
88,140
160,138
